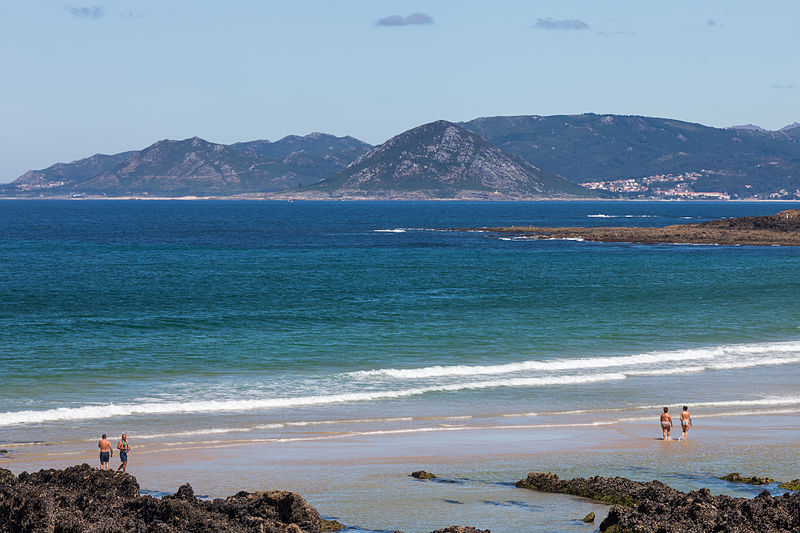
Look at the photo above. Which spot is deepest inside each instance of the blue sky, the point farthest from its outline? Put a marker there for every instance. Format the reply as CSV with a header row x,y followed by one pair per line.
x,y
90,76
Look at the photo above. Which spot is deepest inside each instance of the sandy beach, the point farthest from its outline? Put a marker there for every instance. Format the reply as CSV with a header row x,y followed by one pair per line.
x,y
363,480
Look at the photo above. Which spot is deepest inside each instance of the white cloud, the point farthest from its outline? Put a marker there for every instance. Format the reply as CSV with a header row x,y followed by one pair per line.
x,y
566,24
412,19
86,12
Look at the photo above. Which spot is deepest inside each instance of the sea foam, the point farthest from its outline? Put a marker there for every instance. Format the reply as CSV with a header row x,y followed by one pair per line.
x,y
712,357
207,406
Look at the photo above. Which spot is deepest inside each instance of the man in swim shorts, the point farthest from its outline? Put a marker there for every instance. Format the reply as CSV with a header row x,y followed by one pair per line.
x,y
686,421
105,451
666,423
123,448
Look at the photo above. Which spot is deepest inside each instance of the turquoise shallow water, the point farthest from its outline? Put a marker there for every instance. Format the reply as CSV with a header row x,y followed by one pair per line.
x,y
219,316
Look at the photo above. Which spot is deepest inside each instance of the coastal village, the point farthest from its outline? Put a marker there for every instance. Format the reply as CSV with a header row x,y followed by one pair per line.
x,y
676,186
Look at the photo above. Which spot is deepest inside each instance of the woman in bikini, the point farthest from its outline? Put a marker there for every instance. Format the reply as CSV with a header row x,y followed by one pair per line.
x,y
666,423
686,421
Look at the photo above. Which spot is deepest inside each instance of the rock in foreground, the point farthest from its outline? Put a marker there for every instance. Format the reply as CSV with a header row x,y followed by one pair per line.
x,y
82,499
654,507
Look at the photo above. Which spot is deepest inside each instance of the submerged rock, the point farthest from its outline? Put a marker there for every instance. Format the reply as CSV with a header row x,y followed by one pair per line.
x,y
461,529
734,477
654,507
791,485
331,525
589,517
421,474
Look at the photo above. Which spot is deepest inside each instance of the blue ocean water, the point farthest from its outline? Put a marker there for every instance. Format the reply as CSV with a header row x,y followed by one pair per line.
x,y
176,317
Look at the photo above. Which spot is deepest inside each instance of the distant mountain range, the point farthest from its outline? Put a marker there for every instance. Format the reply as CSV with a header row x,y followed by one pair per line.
x,y
197,167
490,157
593,147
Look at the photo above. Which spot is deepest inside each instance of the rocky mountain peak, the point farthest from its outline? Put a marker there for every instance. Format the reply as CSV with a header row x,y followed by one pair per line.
x,y
748,127
442,160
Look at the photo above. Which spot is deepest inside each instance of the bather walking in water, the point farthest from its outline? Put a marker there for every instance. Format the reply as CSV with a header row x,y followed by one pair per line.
x,y
686,421
666,423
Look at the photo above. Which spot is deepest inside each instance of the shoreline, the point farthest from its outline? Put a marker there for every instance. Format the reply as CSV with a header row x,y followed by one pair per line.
x,y
300,198
353,479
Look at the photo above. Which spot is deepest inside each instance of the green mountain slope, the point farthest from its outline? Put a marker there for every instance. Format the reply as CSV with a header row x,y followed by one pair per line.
x,y
604,147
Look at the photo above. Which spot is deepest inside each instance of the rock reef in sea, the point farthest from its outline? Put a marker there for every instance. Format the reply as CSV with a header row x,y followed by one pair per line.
x,y
734,477
791,485
654,507
780,229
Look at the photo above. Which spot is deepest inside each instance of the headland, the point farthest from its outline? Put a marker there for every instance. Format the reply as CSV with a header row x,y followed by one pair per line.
x,y
781,229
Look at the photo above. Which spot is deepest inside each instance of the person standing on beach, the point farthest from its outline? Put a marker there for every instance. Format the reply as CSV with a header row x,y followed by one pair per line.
x,y
686,421
666,423
123,448
105,451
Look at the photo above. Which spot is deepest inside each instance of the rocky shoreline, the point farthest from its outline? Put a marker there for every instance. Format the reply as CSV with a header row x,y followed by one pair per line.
x,y
781,229
653,507
84,499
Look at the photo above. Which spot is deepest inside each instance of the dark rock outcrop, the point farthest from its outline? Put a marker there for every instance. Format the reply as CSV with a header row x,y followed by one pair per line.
x,y
82,499
653,507
421,474
589,518
616,491
780,229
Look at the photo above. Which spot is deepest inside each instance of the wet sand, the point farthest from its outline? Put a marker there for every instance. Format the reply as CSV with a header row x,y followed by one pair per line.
x,y
363,480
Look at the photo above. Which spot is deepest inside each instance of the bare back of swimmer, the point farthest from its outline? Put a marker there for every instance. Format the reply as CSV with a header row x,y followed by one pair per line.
x,y
666,423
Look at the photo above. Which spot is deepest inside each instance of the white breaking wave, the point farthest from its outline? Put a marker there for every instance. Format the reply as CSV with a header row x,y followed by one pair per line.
x,y
715,357
206,406
770,401
209,431
603,215
402,230
304,423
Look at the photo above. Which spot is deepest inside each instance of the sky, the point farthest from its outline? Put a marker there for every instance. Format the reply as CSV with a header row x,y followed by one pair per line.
x,y
106,76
